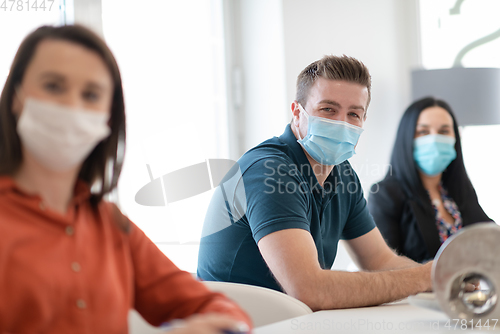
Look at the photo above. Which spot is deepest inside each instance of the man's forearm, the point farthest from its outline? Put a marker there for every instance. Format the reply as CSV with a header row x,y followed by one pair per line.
x,y
398,262
338,289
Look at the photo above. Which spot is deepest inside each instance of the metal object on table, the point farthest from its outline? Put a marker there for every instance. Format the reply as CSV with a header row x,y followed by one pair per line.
x,y
466,261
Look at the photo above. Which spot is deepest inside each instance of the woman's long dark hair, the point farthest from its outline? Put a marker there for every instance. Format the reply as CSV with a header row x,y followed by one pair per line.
x,y
106,153
454,178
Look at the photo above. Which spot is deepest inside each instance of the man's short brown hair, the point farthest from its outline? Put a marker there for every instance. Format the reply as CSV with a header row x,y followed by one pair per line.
x,y
333,68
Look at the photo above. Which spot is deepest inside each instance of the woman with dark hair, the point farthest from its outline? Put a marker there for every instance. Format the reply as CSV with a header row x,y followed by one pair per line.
x,y
426,195
70,262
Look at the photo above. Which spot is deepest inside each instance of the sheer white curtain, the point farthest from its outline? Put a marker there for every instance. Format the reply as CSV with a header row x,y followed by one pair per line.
x,y
447,26
171,56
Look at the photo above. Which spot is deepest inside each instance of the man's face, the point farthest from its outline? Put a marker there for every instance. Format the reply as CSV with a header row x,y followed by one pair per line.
x,y
333,99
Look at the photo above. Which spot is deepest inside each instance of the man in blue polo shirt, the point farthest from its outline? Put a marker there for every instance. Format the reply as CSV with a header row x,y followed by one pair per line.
x,y
277,217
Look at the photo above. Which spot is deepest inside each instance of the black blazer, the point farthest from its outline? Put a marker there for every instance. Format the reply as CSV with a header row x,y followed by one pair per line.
x,y
407,226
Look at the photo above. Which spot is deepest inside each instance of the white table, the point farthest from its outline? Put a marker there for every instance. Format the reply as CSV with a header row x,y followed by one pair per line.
x,y
400,317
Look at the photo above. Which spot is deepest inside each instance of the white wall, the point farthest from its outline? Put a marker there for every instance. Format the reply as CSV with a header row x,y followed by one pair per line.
x,y
262,64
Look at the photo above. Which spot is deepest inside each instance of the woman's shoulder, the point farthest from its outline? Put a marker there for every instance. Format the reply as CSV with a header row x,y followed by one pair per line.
x,y
114,216
389,193
389,185
387,199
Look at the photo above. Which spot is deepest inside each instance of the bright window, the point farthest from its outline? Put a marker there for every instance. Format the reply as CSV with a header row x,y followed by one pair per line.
x,y
171,56
443,35
480,150
447,26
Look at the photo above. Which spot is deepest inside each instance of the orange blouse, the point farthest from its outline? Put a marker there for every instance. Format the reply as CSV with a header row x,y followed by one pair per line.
x,y
79,273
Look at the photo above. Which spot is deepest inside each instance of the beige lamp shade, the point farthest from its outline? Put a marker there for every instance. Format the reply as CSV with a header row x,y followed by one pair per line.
x,y
472,93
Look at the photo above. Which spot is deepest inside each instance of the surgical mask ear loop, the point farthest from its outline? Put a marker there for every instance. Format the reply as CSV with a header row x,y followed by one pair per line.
x,y
19,92
19,95
302,110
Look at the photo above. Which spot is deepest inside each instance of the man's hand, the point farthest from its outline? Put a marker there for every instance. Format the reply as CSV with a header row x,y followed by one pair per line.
x,y
472,285
207,324
427,279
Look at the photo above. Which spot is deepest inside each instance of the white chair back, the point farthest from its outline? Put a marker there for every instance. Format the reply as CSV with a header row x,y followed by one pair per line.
x,y
264,306
137,324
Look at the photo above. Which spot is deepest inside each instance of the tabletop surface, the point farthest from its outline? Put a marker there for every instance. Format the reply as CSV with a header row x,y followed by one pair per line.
x,y
399,317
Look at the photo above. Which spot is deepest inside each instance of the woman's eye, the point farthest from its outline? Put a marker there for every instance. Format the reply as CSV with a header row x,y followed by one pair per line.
x,y
91,96
423,132
52,87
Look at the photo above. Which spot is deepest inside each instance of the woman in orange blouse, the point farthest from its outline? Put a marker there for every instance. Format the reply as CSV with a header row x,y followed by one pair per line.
x,y
70,262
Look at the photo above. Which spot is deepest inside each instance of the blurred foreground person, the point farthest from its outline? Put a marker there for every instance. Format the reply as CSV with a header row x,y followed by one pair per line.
x,y
70,262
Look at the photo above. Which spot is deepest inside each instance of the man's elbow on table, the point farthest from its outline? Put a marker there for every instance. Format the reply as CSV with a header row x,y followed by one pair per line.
x,y
293,260
310,291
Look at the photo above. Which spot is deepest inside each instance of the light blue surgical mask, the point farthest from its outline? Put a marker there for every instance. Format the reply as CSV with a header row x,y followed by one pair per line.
x,y
327,141
433,153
